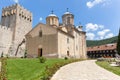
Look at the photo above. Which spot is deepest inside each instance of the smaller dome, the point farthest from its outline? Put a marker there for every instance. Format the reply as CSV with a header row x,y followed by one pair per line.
x,y
52,15
67,12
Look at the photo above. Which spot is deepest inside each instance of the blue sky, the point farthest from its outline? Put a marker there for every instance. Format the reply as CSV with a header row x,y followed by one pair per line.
x,y
100,18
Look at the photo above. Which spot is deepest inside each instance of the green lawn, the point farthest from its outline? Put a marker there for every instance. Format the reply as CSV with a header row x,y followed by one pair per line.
x,y
107,66
27,69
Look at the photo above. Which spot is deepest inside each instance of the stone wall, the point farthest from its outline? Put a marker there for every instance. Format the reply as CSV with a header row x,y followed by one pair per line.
x,y
82,45
77,44
48,41
5,39
65,45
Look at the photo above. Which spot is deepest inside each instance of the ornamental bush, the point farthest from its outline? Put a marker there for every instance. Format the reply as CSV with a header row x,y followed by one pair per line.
x,y
42,59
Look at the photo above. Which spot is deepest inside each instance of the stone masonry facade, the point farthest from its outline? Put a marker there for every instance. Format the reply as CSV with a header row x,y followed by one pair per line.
x,y
57,40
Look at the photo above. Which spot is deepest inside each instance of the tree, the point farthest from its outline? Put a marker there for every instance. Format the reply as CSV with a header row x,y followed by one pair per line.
x,y
118,43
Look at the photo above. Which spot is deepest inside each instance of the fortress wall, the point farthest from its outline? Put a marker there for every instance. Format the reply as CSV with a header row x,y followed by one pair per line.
x,y
5,39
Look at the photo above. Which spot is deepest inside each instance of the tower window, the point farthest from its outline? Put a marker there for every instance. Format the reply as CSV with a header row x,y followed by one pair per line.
x,y
30,20
25,17
22,16
40,33
68,20
19,14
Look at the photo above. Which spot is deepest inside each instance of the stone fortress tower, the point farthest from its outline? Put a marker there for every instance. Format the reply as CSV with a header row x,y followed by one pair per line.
x,y
16,22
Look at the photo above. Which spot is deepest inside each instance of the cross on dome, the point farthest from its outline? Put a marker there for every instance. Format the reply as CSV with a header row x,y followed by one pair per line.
x,y
67,9
67,12
52,12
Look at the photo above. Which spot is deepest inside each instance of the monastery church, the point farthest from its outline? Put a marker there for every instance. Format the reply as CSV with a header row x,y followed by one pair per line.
x,y
53,39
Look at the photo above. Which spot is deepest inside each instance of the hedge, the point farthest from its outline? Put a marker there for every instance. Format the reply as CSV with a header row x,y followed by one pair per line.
x,y
50,71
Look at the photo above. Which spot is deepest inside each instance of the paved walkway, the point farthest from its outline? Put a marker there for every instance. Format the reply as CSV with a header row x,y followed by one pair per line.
x,y
84,70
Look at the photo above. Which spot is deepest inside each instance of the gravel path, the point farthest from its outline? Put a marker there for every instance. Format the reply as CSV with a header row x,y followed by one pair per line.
x,y
84,70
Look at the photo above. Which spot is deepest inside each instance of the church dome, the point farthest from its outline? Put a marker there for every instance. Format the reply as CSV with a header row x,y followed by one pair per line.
x,y
68,18
52,14
67,12
52,20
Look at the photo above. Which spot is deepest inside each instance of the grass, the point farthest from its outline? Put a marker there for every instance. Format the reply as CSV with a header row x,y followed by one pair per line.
x,y
28,69
107,66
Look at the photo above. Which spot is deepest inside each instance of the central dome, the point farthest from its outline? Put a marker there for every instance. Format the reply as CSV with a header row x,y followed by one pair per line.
x,y
52,14
67,12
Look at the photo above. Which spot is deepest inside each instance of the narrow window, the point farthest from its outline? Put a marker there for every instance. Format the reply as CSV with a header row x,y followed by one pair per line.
x,y
67,40
40,33
76,47
68,20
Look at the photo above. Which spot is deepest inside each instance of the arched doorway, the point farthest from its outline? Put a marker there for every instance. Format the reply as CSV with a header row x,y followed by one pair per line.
x,y
40,52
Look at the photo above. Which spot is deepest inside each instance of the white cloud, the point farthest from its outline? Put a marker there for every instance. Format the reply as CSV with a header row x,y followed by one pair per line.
x,y
109,35
93,27
102,33
16,1
40,19
91,4
97,32
90,36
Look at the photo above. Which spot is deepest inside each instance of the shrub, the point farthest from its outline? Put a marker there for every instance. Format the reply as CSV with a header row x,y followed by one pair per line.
x,y
42,59
106,59
66,58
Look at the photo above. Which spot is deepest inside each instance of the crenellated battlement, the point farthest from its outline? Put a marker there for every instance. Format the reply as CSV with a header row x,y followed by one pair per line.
x,y
9,10
18,10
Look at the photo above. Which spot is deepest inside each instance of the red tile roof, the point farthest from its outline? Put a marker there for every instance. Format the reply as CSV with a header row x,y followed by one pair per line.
x,y
103,47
